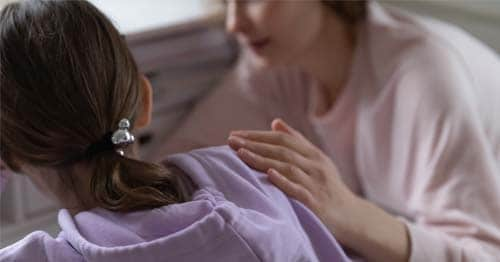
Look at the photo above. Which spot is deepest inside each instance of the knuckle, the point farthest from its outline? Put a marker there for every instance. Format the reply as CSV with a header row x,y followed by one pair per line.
x,y
289,157
298,192
317,155
320,175
252,160
295,170
250,146
282,152
282,139
290,169
266,151
306,198
322,179
316,170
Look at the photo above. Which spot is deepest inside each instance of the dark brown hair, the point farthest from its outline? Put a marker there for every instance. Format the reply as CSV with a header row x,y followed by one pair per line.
x,y
351,12
66,79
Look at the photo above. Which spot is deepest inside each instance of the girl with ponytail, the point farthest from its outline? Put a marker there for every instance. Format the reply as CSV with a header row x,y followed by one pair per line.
x,y
71,99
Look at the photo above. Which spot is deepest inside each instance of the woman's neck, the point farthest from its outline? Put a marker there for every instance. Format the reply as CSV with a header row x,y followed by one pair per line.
x,y
330,56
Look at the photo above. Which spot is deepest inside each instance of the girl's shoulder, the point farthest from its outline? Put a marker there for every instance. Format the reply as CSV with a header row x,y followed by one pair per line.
x,y
266,215
221,169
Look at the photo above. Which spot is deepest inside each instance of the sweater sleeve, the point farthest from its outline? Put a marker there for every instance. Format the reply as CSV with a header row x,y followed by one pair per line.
x,y
448,163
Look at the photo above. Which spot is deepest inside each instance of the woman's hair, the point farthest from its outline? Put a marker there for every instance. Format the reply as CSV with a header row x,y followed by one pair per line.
x,y
351,12
66,79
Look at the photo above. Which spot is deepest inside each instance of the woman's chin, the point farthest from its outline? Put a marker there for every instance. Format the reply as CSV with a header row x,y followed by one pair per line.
x,y
261,61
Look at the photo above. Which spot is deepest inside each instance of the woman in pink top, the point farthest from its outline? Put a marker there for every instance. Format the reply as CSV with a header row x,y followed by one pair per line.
x,y
396,143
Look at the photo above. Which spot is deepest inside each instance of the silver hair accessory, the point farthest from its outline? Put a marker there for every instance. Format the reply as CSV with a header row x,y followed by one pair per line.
x,y
121,138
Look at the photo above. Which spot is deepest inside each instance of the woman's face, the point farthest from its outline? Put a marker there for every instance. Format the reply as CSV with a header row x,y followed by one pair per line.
x,y
277,32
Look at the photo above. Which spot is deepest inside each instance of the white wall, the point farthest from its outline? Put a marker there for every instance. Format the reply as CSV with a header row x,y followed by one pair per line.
x,y
131,16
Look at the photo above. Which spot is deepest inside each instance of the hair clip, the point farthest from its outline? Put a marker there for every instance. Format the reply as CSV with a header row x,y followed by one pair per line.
x,y
122,137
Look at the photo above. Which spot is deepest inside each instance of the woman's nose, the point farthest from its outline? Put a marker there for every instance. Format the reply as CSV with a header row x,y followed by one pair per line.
x,y
236,18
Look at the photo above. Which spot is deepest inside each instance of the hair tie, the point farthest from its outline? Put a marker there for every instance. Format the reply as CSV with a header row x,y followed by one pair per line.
x,y
121,138
117,140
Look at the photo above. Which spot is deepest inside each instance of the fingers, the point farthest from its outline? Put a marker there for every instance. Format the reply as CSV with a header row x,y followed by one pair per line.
x,y
279,124
292,189
271,151
281,134
263,164
275,138
258,162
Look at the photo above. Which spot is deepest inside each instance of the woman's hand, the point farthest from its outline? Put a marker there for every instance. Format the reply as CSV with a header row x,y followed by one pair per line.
x,y
298,168
304,172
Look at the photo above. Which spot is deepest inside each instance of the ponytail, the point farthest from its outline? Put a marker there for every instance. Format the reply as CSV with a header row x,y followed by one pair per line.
x,y
125,184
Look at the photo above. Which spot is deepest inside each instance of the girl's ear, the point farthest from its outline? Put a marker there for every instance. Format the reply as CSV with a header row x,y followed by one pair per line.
x,y
144,117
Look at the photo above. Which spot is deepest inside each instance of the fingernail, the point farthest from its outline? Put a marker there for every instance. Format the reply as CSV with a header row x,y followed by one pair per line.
x,y
236,141
274,175
245,153
271,171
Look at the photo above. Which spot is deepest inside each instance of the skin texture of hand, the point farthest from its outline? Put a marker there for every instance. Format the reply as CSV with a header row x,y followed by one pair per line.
x,y
304,172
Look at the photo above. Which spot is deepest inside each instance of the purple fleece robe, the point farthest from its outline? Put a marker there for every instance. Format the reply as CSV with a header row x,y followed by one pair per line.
x,y
236,215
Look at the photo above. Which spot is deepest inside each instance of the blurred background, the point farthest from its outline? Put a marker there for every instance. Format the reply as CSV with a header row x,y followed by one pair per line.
x,y
182,48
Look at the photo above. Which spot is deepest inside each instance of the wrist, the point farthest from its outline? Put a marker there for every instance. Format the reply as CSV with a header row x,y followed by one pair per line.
x,y
342,218
371,232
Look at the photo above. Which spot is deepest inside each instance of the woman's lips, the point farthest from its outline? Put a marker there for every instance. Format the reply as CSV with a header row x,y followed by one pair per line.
x,y
259,44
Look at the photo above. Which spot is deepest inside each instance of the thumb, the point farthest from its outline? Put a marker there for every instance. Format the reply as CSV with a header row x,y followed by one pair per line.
x,y
281,126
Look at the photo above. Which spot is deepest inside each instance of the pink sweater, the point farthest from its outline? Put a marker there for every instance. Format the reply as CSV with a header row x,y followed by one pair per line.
x,y
415,130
